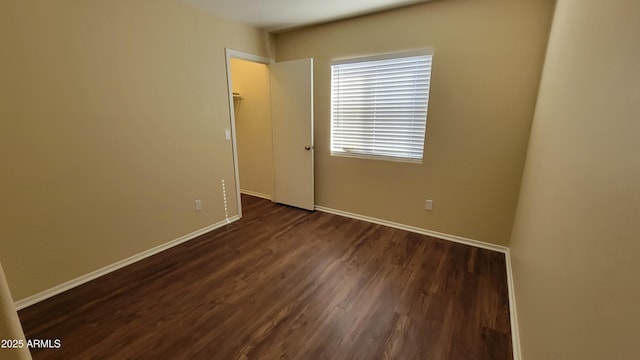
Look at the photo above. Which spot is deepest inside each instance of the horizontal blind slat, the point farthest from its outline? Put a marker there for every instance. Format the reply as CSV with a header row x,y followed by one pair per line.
x,y
379,107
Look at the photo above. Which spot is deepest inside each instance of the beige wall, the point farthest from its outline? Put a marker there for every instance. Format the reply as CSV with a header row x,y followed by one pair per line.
x,y
486,70
575,241
253,126
113,116
10,328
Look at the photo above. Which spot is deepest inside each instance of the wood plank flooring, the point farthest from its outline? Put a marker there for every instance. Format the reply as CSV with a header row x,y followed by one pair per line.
x,y
287,283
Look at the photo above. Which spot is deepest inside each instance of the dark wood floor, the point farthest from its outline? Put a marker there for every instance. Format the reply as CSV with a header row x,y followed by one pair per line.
x,y
287,283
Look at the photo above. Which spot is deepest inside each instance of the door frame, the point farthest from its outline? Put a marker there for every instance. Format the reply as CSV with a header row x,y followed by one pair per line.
x,y
235,54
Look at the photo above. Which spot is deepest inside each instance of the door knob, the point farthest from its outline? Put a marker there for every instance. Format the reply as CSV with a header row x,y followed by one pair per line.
x,y
307,147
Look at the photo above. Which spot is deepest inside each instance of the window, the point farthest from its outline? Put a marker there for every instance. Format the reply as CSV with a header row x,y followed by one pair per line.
x,y
379,106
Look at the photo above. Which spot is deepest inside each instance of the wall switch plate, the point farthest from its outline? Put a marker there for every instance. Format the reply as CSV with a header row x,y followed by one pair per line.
x,y
198,205
227,134
428,205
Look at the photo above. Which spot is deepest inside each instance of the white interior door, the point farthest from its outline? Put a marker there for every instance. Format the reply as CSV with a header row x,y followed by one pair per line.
x,y
292,127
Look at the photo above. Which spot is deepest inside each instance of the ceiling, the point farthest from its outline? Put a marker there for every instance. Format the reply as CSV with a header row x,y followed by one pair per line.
x,y
278,15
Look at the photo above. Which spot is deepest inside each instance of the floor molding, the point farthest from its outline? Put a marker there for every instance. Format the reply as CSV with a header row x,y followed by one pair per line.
x,y
21,304
515,335
454,238
513,314
256,194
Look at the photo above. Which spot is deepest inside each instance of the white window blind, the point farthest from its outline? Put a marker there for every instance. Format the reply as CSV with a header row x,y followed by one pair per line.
x,y
379,106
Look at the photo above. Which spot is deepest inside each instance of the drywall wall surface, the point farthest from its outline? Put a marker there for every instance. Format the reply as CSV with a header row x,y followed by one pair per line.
x,y
575,241
113,117
253,126
487,62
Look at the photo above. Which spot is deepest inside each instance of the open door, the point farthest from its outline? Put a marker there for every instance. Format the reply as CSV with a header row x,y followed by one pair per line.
x,y
292,128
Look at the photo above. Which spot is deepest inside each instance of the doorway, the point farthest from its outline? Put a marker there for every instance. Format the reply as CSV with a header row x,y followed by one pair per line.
x,y
235,100
271,108
252,110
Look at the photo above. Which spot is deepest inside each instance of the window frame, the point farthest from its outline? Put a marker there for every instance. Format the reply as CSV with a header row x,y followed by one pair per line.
x,y
386,56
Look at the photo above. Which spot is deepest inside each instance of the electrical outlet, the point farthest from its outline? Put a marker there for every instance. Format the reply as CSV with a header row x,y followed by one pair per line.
x,y
428,205
198,205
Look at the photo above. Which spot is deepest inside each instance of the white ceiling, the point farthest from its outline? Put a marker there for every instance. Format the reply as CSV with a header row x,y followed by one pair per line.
x,y
275,15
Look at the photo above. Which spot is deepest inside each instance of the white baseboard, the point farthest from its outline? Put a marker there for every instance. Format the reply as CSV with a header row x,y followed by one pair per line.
x,y
454,238
515,336
28,301
256,194
513,314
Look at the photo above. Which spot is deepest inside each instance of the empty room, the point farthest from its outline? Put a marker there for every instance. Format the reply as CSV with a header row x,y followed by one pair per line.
x,y
388,179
